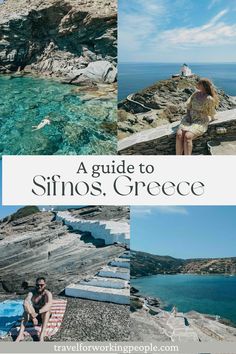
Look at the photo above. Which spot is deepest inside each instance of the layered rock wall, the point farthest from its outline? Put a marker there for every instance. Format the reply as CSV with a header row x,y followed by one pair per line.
x,y
39,245
59,37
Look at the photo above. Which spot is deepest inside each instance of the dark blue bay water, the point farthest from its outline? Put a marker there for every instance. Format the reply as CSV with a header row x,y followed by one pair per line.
x,y
136,76
209,294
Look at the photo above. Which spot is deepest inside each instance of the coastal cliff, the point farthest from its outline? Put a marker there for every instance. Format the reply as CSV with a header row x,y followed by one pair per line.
x,y
145,264
34,243
74,40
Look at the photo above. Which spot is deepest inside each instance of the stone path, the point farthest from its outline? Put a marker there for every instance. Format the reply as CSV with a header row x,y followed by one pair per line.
x,y
174,327
180,331
110,284
130,99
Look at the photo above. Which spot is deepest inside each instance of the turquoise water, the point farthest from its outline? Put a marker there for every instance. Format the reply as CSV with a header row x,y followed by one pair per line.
x,y
10,312
209,294
77,126
136,76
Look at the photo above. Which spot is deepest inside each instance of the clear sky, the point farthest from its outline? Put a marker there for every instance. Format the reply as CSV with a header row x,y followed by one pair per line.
x,y
184,232
177,31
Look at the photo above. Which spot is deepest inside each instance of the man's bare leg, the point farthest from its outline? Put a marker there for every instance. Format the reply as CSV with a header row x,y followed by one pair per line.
x,y
25,319
45,319
29,313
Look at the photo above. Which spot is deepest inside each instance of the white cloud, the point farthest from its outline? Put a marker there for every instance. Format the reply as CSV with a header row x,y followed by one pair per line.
x,y
136,27
172,210
212,33
148,210
140,211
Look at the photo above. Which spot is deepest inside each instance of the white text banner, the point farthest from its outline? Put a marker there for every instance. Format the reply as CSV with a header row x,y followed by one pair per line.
x,y
119,180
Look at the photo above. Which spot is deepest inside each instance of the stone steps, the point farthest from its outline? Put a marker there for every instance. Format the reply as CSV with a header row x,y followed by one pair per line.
x,y
118,296
110,284
114,272
106,282
119,262
126,255
110,231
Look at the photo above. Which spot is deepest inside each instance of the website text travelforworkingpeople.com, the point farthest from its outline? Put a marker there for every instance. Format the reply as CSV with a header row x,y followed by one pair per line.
x,y
115,348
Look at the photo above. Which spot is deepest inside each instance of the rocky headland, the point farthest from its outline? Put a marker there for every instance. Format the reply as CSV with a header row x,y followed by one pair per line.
x,y
35,243
162,103
72,40
145,264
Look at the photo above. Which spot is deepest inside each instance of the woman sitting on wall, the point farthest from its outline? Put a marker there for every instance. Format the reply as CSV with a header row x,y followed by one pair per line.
x,y
200,112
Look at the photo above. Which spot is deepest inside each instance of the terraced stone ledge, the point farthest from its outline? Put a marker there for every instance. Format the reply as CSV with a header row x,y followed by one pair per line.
x,y
110,284
161,140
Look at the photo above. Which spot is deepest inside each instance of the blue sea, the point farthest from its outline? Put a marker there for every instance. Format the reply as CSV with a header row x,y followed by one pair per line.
x,y
78,125
136,76
208,294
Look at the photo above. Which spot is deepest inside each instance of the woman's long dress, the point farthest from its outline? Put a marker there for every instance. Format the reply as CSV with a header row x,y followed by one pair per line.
x,y
201,111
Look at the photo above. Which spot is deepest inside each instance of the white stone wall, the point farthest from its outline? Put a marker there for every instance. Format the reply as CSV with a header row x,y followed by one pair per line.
x,y
118,296
106,282
110,231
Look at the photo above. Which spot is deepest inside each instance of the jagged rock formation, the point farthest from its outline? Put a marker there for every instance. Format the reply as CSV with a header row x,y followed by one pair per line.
x,y
38,244
144,264
71,39
162,103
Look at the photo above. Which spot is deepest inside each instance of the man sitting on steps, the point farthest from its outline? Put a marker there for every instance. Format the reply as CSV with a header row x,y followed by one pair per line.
x,y
37,306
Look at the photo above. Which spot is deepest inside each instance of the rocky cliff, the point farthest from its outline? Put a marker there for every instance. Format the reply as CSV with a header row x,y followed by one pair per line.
x,y
162,103
37,244
71,39
144,264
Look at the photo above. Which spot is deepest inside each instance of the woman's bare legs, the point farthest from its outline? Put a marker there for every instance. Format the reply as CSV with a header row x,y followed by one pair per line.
x,y
180,142
188,143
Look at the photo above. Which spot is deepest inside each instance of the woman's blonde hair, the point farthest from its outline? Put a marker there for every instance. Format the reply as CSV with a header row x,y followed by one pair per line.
x,y
210,90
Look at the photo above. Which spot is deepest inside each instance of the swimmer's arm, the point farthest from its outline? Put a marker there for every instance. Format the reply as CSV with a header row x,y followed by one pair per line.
x,y
48,305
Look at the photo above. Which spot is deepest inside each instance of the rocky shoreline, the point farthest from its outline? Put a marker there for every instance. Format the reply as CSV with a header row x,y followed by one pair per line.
x,y
71,41
150,322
